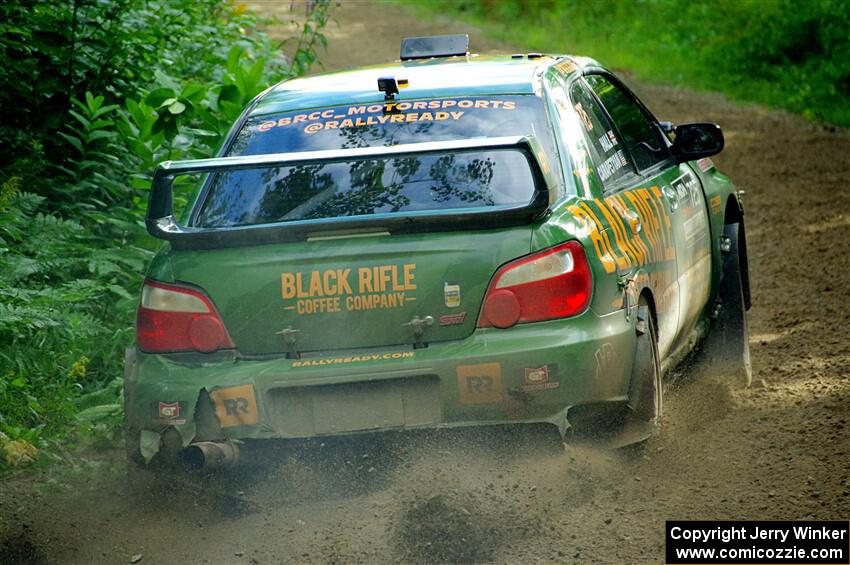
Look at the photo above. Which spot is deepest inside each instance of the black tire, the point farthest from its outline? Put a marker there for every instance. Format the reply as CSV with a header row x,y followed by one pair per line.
x,y
727,347
645,389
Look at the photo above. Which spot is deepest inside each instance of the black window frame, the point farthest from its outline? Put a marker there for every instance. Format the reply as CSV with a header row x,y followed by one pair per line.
x,y
633,175
647,172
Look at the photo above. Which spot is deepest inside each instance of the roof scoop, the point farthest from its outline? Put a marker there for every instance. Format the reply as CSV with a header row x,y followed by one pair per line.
x,y
434,46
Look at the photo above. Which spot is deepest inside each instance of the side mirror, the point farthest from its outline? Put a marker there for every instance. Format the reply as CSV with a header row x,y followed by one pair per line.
x,y
696,141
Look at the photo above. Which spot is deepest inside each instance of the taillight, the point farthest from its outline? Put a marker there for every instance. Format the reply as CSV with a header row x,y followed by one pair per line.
x,y
176,318
554,283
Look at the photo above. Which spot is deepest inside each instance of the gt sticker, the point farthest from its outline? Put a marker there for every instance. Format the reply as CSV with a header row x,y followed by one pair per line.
x,y
336,290
540,378
235,406
479,384
170,412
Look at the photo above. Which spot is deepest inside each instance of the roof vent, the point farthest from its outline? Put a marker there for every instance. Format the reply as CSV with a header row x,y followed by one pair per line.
x,y
434,46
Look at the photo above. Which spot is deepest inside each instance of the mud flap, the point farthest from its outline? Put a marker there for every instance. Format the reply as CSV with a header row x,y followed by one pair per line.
x,y
562,423
150,442
727,347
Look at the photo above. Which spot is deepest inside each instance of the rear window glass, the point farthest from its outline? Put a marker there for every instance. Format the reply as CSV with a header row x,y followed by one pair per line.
x,y
274,194
367,186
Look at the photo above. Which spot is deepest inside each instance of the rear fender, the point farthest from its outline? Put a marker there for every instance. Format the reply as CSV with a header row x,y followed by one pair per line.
x,y
634,285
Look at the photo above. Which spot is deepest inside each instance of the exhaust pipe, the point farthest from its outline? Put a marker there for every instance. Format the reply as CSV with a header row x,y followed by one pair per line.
x,y
210,454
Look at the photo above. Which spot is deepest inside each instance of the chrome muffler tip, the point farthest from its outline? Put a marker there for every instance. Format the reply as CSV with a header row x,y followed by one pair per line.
x,y
210,454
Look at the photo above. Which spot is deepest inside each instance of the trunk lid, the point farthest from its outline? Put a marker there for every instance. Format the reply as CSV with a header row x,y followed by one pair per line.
x,y
351,292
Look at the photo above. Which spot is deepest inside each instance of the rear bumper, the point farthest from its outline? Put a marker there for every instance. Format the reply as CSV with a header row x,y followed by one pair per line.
x,y
528,374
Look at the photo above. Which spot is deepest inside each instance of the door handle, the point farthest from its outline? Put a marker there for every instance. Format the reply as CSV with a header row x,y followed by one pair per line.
x,y
625,282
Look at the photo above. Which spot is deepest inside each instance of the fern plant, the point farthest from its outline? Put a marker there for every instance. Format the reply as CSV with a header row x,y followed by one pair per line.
x,y
72,240
54,291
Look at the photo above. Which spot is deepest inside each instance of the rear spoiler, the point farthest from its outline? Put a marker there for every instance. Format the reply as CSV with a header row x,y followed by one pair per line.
x,y
162,224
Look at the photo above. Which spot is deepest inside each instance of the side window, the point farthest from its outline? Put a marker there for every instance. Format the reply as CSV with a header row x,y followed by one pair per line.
x,y
640,135
611,161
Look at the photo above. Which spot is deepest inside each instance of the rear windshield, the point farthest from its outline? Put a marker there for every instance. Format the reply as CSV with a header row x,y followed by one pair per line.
x,y
428,182
433,181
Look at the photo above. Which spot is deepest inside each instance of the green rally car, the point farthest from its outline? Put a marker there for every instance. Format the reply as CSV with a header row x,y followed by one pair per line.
x,y
447,241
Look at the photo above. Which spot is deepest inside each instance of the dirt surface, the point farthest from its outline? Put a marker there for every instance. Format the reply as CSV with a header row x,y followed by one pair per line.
x,y
779,450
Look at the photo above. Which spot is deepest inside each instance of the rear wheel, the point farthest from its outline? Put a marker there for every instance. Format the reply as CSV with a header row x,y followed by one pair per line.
x,y
727,347
645,390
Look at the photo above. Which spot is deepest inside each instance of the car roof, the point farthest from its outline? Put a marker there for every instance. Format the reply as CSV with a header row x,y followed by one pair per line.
x,y
437,77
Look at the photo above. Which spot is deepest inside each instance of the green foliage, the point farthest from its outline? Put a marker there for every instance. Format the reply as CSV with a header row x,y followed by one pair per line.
x,y
103,91
307,49
101,412
784,53
56,50
91,182
53,294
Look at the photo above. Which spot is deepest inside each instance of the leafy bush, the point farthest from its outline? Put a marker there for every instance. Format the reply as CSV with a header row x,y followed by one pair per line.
x,y
56,51
784,53
54,293
102,92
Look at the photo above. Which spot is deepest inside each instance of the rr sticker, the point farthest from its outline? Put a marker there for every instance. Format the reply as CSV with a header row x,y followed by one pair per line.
x,y
235,406
479,384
